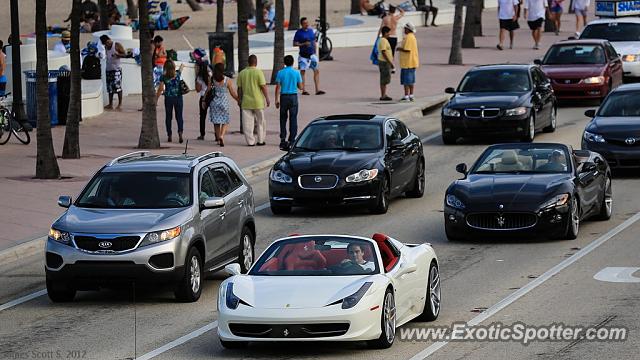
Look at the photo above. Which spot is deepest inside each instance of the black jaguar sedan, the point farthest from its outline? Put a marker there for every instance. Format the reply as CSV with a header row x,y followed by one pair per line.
x,y
500,100
614,131
516,189
349,159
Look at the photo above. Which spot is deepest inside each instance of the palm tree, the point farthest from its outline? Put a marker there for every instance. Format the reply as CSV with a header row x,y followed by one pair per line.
x,y
220,16
478,17
355,7
104,17
46,162
455,56
193,4
278,43
132,9
149,138
71,148
468,41
294,15
260,26
243,34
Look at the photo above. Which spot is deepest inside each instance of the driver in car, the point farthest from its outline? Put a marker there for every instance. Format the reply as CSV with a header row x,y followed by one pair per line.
x,y
355,252
181,194
556,162
116,198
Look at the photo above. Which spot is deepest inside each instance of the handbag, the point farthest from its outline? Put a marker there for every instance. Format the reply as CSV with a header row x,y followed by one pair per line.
x,y
209,95
184,88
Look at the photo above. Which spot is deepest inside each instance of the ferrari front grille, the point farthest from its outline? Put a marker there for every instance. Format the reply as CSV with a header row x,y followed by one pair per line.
x,y
293,331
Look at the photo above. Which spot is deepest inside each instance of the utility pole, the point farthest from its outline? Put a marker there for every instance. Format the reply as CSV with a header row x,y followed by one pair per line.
x,y
16,67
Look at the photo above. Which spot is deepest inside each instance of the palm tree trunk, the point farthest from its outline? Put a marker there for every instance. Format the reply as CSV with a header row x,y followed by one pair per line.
x,y
355,7
220,16
104,17
149,138
132,9
294,15
278,43
46,162
243,34
455,56
71,148
478,17
260,26
194,5
468,42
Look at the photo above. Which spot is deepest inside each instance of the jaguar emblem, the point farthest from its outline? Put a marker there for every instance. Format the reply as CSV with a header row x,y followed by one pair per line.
x,y
630,141
105,244
317,179
500,206
500,220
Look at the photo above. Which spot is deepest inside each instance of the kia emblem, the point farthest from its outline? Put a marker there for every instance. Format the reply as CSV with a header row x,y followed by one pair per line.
x,y
630,141
105,244
317,179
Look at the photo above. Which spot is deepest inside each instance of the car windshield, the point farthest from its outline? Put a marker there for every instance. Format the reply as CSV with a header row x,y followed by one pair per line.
x,y
318,256
624,103
350,136
137,190
496,80
574,54
614,31
522,160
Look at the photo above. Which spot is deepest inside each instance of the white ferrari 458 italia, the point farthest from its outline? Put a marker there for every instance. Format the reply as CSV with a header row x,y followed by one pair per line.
x,y
329,288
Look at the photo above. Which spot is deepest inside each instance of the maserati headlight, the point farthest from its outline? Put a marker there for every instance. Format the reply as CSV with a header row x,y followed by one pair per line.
x,y
351,300
558,200
516,111
231,300
631,57
362,175
454,202
60,236
450,112
594,80
280,176
164,235
591,137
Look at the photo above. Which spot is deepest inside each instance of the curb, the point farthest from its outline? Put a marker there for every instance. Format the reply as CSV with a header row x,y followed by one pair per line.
x,y
26,249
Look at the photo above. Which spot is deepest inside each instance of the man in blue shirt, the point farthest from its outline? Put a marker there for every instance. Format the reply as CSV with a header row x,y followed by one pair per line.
x,y
305,39
288,81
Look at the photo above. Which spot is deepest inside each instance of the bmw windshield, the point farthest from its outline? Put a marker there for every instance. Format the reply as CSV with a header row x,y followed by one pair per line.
x,y
496,80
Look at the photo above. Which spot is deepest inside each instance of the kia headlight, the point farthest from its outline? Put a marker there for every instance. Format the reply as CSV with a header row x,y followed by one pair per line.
x,y
231,300
353,299
59,236
594,80
450,112
160,236
516,111
362,175
591,137
556,201
280,176
631,57
454,202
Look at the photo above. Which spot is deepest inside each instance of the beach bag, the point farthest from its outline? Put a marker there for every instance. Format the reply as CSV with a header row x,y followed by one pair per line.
x,y
374,53
91,68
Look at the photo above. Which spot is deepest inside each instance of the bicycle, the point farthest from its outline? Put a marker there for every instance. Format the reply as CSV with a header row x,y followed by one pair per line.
x,y
326,46
9,125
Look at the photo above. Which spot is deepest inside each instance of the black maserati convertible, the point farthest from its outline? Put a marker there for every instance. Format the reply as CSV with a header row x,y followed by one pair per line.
x,y
539,188
342,159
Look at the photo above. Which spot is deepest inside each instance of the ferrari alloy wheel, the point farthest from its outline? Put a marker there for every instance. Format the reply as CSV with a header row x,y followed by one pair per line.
x,y
417,190
388,323
552,121
382,200
433,296
246,250
531,129
606,208
190,287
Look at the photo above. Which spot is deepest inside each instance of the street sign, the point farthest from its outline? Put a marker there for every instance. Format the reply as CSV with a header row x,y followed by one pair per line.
x,y
618,8
618,274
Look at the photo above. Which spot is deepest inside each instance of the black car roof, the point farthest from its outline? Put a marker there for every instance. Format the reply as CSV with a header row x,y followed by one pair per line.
x,y
352,117
503,67
628,87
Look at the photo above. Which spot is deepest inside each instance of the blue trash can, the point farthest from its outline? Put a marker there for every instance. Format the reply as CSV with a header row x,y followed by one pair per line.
x,y
32,98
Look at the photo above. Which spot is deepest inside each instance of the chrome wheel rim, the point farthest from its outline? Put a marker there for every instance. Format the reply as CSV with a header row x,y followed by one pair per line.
x,y
384,193
247,251
532,128
575,217
553,119
608,198
421,177
390,317
195,274
434,290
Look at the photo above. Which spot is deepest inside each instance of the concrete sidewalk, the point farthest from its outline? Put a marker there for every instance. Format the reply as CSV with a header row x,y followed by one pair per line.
x,y
351,83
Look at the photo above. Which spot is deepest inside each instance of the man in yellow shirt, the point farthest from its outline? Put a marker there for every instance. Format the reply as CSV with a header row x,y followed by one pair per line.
x,y
385,62
252,94
409,61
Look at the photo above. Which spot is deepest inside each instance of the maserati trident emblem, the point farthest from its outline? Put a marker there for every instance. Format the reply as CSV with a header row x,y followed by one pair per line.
x,y
105,244
285,332
500,206
630,141
500,220
317,179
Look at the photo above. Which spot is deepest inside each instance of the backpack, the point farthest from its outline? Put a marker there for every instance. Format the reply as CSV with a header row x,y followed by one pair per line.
x,y
91,68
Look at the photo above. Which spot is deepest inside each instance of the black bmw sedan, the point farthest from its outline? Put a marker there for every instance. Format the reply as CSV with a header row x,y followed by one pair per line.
x,y
614,131
539,188
500,100
342,159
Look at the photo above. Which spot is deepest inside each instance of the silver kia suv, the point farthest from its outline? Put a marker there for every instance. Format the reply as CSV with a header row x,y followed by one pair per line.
x,y
152,219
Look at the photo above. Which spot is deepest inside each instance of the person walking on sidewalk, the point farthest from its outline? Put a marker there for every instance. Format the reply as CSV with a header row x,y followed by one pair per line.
x,y
114,51
288,82
252,95
580,7
203,80
555,14
385,62
159,57
305,39
534,11
409,61
508,17
3,66
390,20
421,5
170,87
220,88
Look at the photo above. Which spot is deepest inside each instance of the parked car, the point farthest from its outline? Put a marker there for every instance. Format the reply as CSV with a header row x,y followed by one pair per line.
x,y
507,100
537,189
330,288
152,219
614,130
349,159
582,69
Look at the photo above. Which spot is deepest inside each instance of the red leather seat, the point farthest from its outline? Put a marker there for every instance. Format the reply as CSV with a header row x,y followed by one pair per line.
x,y
271,265
304,256
389,259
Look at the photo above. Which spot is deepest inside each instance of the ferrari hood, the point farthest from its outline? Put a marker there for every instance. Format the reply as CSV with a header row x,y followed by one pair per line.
x,y
295,292
328,161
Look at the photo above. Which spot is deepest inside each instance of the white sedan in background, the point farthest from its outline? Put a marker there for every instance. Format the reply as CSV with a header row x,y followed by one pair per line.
x,y
329,288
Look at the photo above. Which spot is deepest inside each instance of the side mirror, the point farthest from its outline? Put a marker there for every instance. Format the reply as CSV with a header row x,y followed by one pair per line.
x,y
213,203
590,113
233,269
462,168
588,167
537,62
450,90
397,144
64,201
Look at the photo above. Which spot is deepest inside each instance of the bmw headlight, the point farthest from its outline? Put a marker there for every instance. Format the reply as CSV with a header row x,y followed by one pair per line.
x,y
351,300
164,235
60,236
556,201
362,175
516,111
594,80
231,300
631,57
454,202
450,112
280,176
591,137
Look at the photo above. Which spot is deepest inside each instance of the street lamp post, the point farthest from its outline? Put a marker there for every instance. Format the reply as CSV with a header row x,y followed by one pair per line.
x,y
325,51
16,67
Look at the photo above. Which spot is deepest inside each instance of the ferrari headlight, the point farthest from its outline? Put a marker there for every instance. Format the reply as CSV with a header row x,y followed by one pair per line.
x,y
631,57
450,112
558,200
231,300
280,176
454,202
351,300
594,80
60,236
516,111
362,175
591,137
164,235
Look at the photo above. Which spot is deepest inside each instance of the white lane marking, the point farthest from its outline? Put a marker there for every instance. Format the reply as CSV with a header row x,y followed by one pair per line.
x,y
262,207
179,341
23,299
533,284
618,275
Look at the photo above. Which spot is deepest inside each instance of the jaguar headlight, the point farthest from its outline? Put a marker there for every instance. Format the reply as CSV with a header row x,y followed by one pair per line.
x,y
454,202
362,175
60,236
594,80
280,176
450,112
556,201
591,137
160,236
516,111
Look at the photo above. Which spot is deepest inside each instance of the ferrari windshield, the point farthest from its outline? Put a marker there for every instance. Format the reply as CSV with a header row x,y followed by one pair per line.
x,y
574,54
318,256
523,160
622,103
350,136
496,80
613,31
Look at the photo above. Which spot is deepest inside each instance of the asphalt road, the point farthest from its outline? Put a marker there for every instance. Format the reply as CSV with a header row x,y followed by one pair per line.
x,y
515,279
